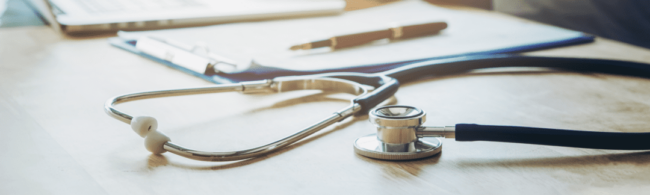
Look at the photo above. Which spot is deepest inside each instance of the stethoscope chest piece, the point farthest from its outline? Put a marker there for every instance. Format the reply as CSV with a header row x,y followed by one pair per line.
x,y
397,136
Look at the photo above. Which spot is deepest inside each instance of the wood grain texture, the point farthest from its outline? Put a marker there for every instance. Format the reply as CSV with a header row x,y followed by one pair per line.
x,y
57,139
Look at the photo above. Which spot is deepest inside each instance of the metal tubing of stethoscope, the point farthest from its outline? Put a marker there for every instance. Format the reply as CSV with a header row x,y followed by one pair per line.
x,y
241,87
275,85
245,154
436,131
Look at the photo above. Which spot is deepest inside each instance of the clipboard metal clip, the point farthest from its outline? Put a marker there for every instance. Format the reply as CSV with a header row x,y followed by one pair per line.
x,y
197,58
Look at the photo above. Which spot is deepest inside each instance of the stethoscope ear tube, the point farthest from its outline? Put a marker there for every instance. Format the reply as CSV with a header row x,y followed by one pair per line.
x,y
385,87
553,137
449,66
374,98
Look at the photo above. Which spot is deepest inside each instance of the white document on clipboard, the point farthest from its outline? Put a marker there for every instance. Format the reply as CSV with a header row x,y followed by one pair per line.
x,y
268,42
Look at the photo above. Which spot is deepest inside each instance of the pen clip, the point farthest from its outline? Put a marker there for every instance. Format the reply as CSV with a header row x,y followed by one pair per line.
x,y
196,58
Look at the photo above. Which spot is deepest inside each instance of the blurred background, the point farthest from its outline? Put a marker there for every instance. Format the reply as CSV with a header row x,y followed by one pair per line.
x,y
623,20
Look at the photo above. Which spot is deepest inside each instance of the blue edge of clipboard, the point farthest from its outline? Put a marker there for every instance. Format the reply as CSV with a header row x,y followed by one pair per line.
x,y
262,72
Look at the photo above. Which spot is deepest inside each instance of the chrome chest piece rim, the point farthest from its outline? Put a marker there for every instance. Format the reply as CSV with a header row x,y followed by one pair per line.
x,y
396,137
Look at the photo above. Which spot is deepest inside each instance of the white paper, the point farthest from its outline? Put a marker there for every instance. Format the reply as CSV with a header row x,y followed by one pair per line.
x,y
268,42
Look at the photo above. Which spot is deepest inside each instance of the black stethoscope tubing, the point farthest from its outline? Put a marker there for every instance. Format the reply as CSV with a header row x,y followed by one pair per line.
x,y
386,84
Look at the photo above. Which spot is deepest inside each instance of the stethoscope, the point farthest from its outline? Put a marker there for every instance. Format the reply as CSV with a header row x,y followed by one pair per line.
x,y
399,128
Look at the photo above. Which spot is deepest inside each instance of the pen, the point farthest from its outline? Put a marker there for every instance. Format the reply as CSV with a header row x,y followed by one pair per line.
x,y
397,32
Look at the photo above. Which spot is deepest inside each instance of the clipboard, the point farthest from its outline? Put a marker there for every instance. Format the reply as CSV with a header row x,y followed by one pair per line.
x,y
494,36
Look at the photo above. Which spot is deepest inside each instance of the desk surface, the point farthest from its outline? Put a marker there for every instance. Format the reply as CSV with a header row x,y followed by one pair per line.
x,y
57,139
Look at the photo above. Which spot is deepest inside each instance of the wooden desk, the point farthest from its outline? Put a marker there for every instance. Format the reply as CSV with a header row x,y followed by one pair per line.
x,y
56,139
